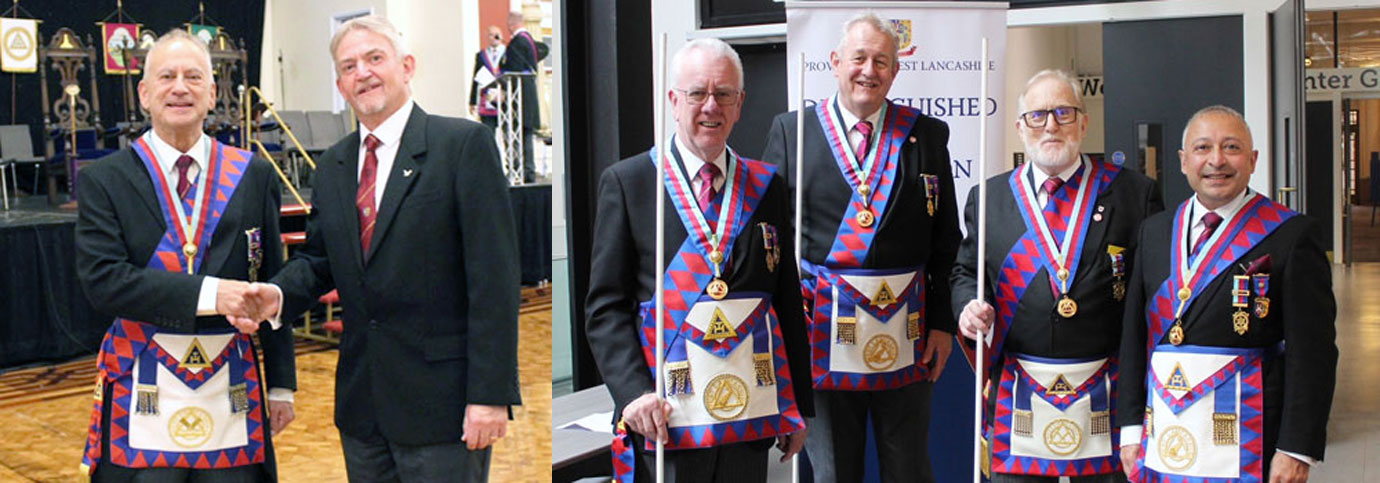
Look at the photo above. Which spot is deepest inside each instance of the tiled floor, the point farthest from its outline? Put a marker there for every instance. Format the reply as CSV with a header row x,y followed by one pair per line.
x,y
1353,433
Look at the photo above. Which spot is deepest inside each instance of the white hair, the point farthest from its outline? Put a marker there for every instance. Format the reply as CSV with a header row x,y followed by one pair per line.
x,y
1057,74
176,35
1213,109
870,18
372,23
717,49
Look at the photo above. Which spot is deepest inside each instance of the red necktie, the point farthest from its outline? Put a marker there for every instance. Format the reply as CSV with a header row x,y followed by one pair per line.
x,y
184,184
1049,187
864,128
1210,222
705,194
364,198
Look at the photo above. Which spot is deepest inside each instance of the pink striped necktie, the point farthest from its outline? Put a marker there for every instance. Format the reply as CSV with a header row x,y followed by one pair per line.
x,y
864,128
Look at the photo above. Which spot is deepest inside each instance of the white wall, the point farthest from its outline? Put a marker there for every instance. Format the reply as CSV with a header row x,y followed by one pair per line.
x,y
435,31
1074,48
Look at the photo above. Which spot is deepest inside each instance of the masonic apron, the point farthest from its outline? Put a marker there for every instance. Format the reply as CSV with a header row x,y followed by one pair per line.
x,y
1052,417
726,373
866,326
181,400
1204,413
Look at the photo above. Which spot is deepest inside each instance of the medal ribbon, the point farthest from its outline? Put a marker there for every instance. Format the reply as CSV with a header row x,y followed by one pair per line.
x,y
1188,273
1066,254
857,172
730,209
189,229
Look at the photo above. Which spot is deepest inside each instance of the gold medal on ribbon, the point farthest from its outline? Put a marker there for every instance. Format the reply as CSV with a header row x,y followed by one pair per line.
x,y
1262,306
1176,333
718,289
1067,307
1119,289
865,218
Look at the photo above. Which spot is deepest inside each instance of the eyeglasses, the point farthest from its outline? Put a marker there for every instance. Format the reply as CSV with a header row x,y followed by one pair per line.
x,y
1062,115
723,97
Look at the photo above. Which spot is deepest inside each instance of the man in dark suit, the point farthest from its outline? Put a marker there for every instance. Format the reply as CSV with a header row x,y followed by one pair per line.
x,y
523,56
729,292
888,252
411,223
165,231
1054,300
482,96
1229,355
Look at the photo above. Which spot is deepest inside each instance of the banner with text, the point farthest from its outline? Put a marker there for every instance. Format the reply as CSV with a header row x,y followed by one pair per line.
x,y
940,61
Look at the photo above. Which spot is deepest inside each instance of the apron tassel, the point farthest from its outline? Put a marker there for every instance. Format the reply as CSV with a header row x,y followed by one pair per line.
x,y
1224,429
766,375
146,402
847,327
913,326
679,373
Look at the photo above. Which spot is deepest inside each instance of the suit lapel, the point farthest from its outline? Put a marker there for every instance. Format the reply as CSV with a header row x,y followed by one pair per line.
x,y
405,170
349,183
139,177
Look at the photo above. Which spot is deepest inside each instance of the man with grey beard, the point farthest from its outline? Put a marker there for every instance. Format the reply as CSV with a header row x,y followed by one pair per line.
x,y
1061,239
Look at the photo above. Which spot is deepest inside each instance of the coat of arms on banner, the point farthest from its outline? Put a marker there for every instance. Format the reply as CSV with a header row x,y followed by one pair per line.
x,y
118,40
902,27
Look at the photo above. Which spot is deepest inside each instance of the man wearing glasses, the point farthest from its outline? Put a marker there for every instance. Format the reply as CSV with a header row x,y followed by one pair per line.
x,y
736,356
880,230
1061,239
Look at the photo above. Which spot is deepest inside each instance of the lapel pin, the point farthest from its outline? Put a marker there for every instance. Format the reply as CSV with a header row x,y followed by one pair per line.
x,y
407,173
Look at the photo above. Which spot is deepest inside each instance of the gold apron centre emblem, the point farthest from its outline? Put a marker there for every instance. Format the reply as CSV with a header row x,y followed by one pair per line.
x,y
880,352
1061,387
1178,450
196,357
884,297
1177,380
190,427
1063,436
719,328
726,397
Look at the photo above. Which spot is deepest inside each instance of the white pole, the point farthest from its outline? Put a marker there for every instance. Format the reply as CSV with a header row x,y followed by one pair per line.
x,y
981,269
663,149
799,200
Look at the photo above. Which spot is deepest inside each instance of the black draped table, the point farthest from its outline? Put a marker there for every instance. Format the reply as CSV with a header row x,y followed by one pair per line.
x,y
44,315
532,214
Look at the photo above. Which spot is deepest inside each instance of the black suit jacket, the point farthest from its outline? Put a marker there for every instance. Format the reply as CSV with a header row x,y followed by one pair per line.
x,y
1037,329
119,224
431,318
906,234
1299,385
623,275
518,58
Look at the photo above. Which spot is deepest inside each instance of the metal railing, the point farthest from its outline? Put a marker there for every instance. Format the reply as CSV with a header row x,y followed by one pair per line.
x,y
246,137
510,138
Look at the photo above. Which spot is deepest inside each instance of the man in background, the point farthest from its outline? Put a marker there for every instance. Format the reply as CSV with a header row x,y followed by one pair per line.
x,y
523,56
484,92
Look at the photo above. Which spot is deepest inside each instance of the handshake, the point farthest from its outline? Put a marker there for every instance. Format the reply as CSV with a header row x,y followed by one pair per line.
x,y
246,304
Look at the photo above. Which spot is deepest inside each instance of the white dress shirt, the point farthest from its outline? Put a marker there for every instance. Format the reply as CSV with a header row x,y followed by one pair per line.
x,y
389,132
693,163
1040,176
851,121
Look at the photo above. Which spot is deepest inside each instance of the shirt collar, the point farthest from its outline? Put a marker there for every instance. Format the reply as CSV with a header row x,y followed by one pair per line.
x,y
1225,211
849,119
167,155
693,163
390,130
1064,175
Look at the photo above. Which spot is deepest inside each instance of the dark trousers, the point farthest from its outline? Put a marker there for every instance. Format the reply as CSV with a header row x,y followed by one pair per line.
x,y
529,163
731,463
375,459
900,420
